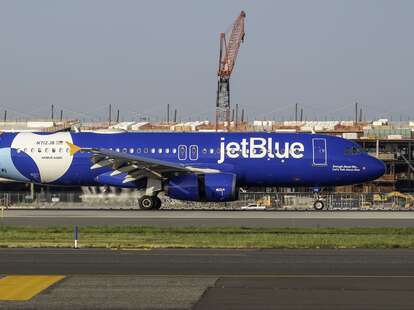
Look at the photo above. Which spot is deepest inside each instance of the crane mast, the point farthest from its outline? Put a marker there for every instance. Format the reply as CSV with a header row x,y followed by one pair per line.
x,y
229,48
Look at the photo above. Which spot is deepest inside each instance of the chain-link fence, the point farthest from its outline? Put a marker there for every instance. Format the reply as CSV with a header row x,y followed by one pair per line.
x,y
332,201
247,200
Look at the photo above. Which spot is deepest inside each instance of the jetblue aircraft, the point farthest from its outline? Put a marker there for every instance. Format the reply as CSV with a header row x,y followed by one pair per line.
x,y
188,166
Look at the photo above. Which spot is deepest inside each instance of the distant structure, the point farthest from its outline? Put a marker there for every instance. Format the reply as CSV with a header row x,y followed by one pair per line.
x,y
229,48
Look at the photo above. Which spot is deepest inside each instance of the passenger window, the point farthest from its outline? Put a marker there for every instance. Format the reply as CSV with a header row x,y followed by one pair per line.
x,y
167,151
211,151
39,150
117,150
138,150
131,150
124,150
174,150
146,150
204,151
53,150
32,150
153,151
160,151
46,150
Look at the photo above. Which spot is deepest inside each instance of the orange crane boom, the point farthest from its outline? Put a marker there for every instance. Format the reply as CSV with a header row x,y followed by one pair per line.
x,y
229,49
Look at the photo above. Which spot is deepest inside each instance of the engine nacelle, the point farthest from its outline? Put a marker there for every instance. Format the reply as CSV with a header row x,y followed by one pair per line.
x,y
213,187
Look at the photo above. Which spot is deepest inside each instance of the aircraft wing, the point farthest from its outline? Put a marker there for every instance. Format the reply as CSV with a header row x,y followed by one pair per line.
x,y
135,166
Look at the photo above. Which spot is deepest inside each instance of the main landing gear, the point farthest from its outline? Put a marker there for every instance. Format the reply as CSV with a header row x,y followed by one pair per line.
x,y
149,202
318,205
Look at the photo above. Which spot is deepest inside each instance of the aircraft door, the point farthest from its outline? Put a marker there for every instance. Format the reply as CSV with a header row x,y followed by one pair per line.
x,y
182,152
193,152
320,154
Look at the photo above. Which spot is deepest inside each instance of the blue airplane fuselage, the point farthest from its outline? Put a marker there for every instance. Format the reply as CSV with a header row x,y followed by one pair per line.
x,y
256,159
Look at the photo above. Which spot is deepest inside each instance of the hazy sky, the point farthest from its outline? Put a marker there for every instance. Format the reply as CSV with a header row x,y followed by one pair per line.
x,y
140,55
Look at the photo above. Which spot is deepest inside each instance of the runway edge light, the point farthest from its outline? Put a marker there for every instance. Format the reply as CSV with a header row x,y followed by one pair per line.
x,y
76,237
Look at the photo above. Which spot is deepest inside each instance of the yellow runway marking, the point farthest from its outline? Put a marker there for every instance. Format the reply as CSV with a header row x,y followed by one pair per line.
x,y
21,288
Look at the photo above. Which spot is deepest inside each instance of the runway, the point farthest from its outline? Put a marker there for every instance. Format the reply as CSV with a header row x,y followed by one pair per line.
x,y
212,278
209,218
216,279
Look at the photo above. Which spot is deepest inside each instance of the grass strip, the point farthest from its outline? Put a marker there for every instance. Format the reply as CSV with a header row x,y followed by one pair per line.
x,y
209,237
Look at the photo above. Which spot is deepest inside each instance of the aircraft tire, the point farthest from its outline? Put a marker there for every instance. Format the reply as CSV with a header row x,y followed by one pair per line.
x,y
157,203
318,205
147,202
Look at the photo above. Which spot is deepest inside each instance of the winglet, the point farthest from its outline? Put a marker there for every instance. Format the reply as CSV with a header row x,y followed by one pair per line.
x,y
73,149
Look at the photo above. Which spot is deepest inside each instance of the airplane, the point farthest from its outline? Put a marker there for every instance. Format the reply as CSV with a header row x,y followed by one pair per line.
x,y
200,166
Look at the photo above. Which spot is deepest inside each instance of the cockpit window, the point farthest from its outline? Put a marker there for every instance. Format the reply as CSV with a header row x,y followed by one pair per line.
x,y
353,150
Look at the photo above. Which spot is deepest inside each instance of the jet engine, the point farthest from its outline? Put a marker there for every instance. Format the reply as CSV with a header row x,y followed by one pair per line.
x,y
213,187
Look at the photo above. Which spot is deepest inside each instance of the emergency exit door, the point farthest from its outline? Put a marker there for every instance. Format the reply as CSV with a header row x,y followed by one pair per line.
x,y
190,152
320,155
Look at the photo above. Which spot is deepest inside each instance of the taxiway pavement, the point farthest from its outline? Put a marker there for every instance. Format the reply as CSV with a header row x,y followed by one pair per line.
x,y
209,218
216,279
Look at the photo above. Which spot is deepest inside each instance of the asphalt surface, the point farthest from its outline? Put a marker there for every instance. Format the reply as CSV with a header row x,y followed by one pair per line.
x,y
209,218
210,278
217,279
207,262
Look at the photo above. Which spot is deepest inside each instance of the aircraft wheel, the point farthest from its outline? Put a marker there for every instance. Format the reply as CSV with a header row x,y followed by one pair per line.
x,y
147,202
318,205
157,203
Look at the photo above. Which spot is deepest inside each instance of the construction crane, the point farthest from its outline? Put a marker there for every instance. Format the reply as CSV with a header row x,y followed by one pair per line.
x,y
229,48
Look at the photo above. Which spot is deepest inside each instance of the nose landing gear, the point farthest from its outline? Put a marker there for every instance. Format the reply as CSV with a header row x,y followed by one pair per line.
x,y
149,202
318,203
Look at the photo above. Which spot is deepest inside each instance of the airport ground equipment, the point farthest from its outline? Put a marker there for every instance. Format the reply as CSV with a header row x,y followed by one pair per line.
x,y
398,198
229,48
